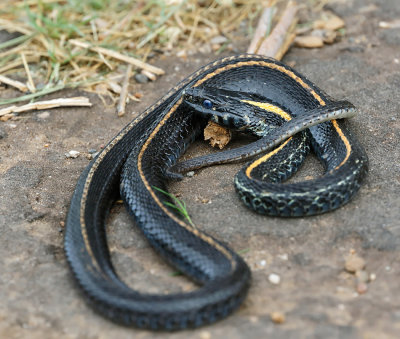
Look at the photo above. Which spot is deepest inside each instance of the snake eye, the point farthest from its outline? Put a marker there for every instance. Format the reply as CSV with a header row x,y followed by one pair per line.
x,y
207,104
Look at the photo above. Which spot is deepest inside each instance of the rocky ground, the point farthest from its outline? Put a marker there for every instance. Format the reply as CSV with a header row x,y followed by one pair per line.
x,y
298,265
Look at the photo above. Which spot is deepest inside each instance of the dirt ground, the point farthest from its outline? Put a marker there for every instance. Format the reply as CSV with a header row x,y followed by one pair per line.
x,y
38,298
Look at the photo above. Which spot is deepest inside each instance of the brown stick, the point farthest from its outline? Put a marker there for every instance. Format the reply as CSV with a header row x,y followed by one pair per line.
x,y
31,84
271,46
14,83
263,27
124,92
47,104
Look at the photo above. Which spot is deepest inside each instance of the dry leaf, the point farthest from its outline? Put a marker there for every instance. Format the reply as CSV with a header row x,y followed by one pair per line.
x,y
218,135
309,41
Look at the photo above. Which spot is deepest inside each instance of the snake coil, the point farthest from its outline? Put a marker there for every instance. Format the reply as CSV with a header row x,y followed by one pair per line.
x,y
251,94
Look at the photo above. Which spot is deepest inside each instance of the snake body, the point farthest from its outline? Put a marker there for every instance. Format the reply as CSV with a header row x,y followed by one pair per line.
x,y
251,94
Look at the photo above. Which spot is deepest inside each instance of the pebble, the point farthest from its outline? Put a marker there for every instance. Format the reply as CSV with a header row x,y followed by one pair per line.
x,y
181,54
43,115
309,41
219,39
274,279
283,256
362,288
72,154
205,335
354,263
277,317
92,150
190,174
141,78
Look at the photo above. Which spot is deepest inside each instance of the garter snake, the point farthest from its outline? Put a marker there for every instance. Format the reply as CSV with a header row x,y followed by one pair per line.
x,y
251,94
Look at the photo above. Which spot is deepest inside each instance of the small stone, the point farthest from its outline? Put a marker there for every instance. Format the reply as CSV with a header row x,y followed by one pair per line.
x,y
190,174
283,256
334,23
274,279
72,154
354,263
181,54
372,277
141,78
277,317
362,288
92,150
309,41
205,335
43,115
263,263
219,39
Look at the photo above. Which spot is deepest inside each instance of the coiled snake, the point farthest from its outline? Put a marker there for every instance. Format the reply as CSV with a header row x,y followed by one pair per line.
x,y
251,94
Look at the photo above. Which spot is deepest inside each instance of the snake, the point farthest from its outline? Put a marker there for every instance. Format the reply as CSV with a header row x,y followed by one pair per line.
x,y
285,114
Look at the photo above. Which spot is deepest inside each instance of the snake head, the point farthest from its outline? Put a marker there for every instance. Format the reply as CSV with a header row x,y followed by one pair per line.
x,y
221,106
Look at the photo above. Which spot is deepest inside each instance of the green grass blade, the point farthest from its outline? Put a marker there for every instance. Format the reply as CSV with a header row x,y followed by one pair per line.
x,y
16,41
37,94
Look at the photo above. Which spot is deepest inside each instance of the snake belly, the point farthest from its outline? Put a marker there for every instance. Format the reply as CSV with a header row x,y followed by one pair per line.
x,y
137,161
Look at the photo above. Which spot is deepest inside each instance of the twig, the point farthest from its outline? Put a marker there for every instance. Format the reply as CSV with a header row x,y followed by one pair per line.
x,y
119,56
31,84
47,104
262,30
285,46
271,46
14,83
124,92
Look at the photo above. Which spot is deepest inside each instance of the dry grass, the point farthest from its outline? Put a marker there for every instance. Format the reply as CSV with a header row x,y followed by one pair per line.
x,y
47,51
89,44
